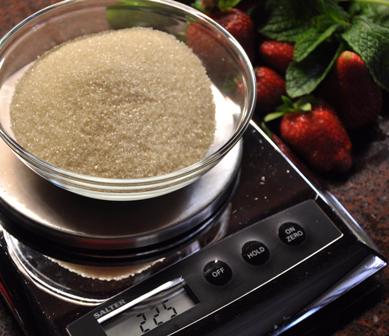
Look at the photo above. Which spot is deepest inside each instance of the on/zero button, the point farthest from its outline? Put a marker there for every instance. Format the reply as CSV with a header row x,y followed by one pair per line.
x,y
291,233
217,272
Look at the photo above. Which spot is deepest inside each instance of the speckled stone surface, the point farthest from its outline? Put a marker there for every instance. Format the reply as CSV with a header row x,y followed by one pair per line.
x,y
365,193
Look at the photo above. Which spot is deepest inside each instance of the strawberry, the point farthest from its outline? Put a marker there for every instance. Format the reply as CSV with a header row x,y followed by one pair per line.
x,y
209,48
239,25
201,40
270,88
277,55
319,137
352,92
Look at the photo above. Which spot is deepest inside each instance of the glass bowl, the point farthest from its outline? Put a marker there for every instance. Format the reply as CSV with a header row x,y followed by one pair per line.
x,y
228,67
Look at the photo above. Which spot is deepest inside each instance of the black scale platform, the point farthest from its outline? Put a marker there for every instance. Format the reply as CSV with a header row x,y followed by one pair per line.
x,y
275,251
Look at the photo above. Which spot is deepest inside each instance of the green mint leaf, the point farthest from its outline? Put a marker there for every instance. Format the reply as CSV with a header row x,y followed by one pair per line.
x,y
273,116
309,40
376,13
227,4
321,28
303,78
371,42
334,12
288,19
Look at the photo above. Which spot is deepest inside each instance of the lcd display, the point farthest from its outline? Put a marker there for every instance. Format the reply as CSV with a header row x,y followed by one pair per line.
x,y
139,321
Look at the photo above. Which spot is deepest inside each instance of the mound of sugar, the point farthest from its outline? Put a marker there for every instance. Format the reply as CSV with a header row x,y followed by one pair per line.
x,y
120,104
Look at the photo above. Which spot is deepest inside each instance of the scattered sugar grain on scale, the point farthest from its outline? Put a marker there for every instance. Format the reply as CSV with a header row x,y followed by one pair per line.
x,y
121,104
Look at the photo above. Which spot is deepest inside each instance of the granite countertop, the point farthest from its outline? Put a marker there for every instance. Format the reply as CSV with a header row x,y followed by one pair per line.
x,y
365,193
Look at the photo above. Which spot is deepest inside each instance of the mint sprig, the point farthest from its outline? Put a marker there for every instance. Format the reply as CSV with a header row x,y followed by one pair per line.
x,y
320,28
288,20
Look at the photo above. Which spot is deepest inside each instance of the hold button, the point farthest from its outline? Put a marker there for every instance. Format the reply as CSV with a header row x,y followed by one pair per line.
x,y
217,272
291,233
255,252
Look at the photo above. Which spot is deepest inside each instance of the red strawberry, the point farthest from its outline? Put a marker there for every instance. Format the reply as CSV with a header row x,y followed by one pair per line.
x,y
277,55
209,48
352,92
319,137
201,40
270,89
239,25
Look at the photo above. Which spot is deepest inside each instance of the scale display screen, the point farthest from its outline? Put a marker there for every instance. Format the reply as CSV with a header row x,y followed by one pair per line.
x,y
138,321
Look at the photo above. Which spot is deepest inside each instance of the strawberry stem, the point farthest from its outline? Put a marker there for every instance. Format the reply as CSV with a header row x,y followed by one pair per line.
x,y
302,105
307,107
273,116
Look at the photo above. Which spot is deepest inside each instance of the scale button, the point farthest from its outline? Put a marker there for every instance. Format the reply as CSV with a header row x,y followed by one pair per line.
x,y
217,272
255,252
291,233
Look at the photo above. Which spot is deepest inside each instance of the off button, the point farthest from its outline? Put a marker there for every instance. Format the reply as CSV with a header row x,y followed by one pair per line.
x,y
217,272
291,233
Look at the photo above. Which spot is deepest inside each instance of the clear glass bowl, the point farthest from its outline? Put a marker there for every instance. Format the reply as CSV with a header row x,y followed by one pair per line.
x,y
227,66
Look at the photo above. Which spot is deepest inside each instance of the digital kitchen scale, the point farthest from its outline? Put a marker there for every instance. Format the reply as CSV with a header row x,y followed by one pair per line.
x,y
251,248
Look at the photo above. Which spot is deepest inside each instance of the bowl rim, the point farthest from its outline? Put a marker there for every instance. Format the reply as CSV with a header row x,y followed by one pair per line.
x,y
182,173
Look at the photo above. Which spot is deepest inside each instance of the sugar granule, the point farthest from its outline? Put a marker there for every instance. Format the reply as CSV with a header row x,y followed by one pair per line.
x,y
120,104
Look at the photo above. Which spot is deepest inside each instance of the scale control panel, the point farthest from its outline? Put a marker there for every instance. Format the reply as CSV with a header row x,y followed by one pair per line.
x,y
215,277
